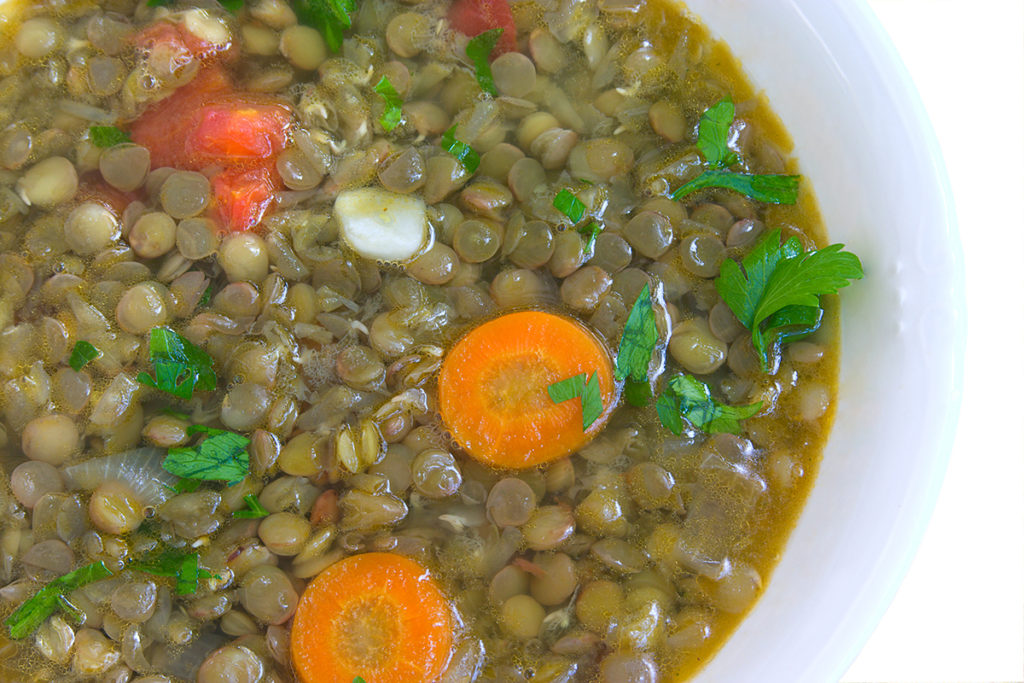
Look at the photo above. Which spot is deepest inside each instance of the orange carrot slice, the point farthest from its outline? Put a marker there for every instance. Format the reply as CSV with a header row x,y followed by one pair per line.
x,y
376,615
493,388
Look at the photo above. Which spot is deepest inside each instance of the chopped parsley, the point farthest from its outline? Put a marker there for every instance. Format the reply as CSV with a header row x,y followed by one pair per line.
x,y
107,136
82,353
573,209
713,143
183,567
590,231
479,49
639,337
392,115
330,17
466,155
687,398
587,390
179,366
776,294
204,300
34,611
221,456
566,202
254,510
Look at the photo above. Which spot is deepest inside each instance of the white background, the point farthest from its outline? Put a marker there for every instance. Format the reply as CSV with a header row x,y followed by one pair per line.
x,y
959,615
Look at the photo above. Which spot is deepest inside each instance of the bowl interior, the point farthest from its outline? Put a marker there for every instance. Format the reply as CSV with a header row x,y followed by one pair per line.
x,y
865,143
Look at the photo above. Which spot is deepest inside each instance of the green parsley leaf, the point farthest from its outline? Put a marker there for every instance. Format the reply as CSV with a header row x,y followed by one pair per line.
x,y
479,49
82,353
187,485
221,456
107,136
232,6
358,679
183,567
392,115
713,134
179,366
466,155
331,17
590,231
204,300
566,202
713,143
567,389
637,393
688,398
776,294
34,611
639,338
587,390
254,509
771,189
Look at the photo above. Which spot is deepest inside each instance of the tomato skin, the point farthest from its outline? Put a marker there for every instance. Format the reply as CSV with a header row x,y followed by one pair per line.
x,y
473,17
243,195
236,129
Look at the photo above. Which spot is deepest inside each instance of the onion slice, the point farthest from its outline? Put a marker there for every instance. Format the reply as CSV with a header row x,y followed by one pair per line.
x,y
139,470
383,225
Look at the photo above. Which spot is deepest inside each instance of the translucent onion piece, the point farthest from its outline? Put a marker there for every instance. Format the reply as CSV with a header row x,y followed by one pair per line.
x,y
139,470
383,225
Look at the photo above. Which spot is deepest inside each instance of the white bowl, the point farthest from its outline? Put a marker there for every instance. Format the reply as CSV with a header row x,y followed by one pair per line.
x,y
864,142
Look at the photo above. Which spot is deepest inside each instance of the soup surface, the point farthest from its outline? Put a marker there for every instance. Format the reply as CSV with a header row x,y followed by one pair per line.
x,y
413,341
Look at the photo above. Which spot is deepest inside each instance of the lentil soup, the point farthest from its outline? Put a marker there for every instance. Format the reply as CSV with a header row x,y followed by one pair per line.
x,y
472,341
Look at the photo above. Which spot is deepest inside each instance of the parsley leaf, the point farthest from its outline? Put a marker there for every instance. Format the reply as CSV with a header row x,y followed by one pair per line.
x,y
713,134
187,485
770,189
479,49
331,17
358,679
566,202
82,353
688,398
183,567
392,115
466,155
587,390
713,143
776,294
179,366
254,509
107,136
591,232
219,457
204,300
34,611
639,338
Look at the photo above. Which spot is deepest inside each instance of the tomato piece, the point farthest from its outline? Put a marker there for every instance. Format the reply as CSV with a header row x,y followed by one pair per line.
x,y
238,131
164,126
243,195
473,17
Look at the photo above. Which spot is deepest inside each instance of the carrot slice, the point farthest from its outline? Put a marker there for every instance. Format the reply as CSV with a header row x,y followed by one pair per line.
x,y
493,388
376,615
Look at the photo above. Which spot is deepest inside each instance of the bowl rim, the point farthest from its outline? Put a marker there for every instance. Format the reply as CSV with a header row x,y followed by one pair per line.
x,y
847,32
